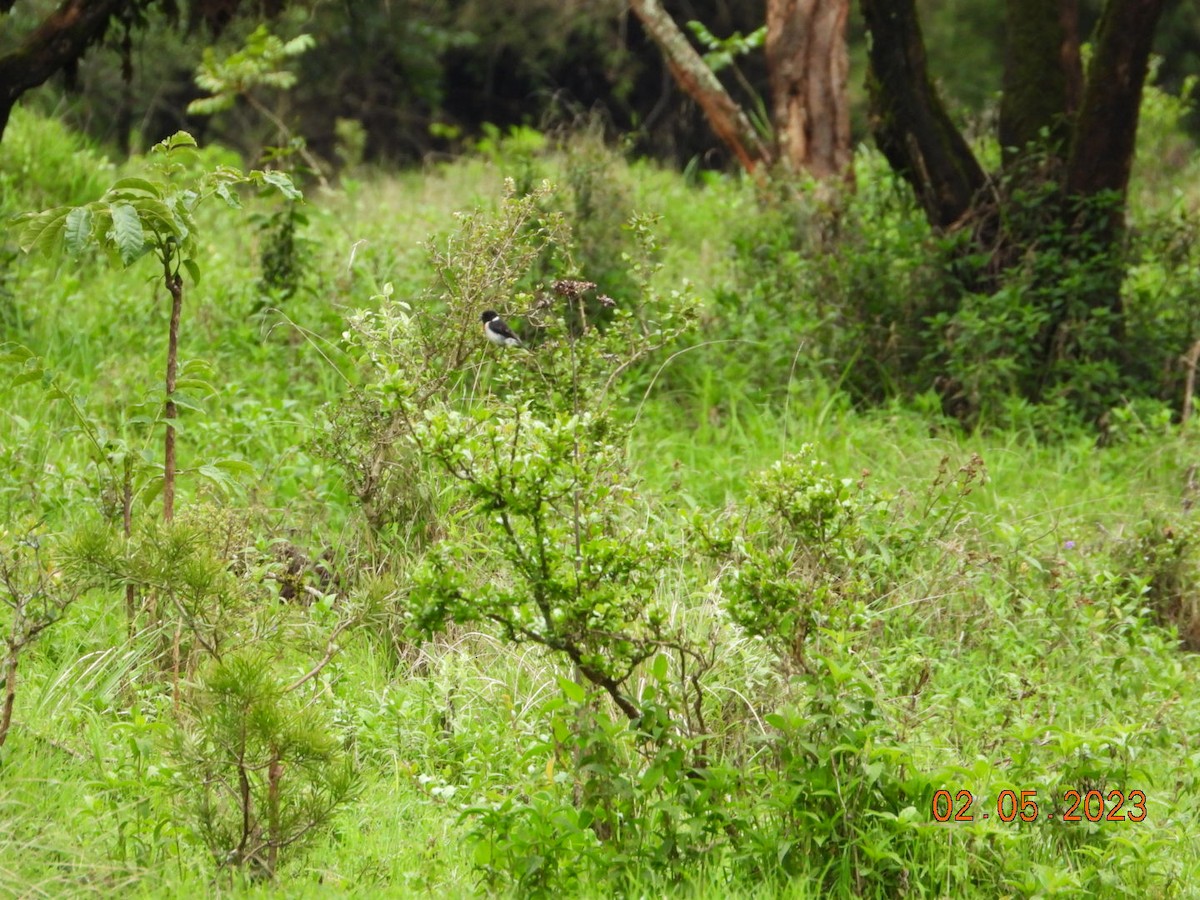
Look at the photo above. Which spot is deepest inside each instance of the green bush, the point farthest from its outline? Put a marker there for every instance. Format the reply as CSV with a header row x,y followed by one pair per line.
x,y
43,163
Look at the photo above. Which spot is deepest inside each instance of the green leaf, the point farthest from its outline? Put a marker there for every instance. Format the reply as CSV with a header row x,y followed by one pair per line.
x,y
14,353
159,218
178,140
230,198
127,233
30,375
192,269
207,106
214,475
153,487
187,401
660,667
78,229
298,45
775,720
236,467
283,182
574,692
136,185
43,230
652,778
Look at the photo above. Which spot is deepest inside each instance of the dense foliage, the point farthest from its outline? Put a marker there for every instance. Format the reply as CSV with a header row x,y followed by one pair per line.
x,y
699,591
423,78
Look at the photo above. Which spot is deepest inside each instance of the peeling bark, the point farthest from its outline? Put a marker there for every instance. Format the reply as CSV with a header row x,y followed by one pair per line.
x,y
808,64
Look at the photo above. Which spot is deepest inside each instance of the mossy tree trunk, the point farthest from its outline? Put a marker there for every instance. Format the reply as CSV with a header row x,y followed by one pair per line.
x,y
1102,143
1068,142
909,122
1043,77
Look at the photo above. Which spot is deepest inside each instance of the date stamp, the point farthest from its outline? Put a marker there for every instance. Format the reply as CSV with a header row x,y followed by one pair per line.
x,y
1075,806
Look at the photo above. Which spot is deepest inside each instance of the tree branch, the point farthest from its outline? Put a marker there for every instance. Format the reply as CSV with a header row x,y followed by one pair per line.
x,y
698,81
62,38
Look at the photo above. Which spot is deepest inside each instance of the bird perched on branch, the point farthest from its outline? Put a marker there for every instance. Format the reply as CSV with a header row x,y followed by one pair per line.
x,y
496,330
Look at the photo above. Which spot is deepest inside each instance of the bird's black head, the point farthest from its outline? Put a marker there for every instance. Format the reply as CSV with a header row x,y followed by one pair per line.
x,y
488,315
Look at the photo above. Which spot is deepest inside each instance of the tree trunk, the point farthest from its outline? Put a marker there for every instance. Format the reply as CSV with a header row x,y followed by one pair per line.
x,y
908,119
57,43
808,62
698,81
1102,144
1043,77
1097,177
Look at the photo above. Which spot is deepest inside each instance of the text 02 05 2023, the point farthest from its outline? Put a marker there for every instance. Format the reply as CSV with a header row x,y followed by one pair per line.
x,y
1010,806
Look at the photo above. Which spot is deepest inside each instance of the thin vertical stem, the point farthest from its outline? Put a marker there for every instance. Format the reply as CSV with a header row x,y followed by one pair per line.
x,y
10,684
127,526
274,837
170,413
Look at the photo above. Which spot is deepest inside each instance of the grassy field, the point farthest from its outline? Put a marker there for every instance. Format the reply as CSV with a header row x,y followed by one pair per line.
x,y
1006,615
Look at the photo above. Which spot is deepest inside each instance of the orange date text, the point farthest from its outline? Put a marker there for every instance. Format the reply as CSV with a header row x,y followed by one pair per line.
x,y
1010,806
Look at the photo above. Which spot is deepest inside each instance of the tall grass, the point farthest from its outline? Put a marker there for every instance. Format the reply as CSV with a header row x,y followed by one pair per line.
x,y
1023,650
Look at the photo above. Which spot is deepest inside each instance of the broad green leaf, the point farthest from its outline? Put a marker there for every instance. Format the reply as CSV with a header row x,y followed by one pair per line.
x,y
282,181
230,198
43,230
192,269
236,467
15,353
299,44
153,487
159,218
574,692
660,667
78,229
215,475
187,401
195,385
127,233
136,185
176,141
775,720
207,106
31,375
652,778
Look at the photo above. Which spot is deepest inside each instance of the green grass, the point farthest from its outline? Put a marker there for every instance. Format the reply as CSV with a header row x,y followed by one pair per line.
x,y
1009,655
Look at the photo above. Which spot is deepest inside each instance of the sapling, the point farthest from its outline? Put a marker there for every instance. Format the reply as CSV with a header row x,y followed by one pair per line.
x,y
152,216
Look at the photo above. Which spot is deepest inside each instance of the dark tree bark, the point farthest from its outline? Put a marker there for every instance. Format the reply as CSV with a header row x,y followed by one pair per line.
x,y
910,123
56,44
1069,146
65,35
1103,141
807,63
1043,77
699,82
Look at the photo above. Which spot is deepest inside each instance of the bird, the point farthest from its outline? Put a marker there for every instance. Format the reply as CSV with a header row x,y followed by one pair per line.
x,y
496,330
